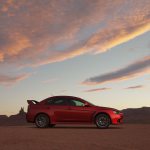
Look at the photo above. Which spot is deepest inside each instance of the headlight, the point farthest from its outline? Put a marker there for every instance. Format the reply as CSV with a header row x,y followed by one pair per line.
x,y
116,111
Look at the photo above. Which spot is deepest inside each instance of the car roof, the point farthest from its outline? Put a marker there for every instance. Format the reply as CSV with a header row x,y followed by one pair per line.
x,y
65,96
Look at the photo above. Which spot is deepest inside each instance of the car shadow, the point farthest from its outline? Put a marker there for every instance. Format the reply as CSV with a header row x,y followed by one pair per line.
x,y
79,127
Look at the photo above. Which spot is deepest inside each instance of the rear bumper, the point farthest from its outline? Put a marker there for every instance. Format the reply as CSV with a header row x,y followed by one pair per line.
x,y
117,118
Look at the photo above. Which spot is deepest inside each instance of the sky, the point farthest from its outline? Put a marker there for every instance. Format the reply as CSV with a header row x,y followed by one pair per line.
x,y
98,50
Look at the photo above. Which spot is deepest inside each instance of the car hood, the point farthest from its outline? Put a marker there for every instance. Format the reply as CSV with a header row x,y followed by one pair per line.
x,y
104,108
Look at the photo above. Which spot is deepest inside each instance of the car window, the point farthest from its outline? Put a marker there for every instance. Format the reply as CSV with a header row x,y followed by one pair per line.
x,y
56,101
73,102
59,102
49,101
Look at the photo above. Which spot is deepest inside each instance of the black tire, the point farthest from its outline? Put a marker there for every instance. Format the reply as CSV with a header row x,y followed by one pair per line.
x,y
42,121
51,125
102,121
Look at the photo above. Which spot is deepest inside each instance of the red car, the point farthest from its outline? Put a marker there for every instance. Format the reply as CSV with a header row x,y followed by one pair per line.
x,y
68,109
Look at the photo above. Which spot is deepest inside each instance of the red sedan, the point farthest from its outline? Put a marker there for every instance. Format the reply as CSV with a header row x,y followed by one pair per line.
x,y
68,109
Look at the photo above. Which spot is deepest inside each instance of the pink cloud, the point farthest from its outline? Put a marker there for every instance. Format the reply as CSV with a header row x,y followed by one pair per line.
x,y
97,90
134,87
133,70
9,80
31,37
39,32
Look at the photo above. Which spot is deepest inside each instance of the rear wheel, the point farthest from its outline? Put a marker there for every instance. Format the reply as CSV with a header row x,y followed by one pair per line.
x,y
102,121
42,121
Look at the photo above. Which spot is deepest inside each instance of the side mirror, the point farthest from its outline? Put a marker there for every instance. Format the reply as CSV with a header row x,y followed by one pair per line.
x,y
86,105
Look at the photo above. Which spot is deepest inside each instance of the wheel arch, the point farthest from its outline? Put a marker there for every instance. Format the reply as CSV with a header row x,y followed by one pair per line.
x,y
43,114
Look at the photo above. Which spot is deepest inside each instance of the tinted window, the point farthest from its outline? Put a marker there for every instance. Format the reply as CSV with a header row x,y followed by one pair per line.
x,y
59,102
73,102
56,101
49,101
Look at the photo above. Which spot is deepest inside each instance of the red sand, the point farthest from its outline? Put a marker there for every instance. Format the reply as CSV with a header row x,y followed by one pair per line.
x,y
122,137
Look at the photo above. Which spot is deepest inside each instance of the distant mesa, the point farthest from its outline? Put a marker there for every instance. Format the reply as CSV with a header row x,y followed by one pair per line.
x,y
3,117
18,119
137,115
131,115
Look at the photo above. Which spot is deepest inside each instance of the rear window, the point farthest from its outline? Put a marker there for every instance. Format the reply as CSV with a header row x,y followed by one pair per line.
x,y
56,101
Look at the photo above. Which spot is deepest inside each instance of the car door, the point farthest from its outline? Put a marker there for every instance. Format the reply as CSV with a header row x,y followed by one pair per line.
x,y
59,109
78,111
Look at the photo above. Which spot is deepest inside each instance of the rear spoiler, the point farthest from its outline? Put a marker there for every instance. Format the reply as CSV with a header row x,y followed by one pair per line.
x,y
32,102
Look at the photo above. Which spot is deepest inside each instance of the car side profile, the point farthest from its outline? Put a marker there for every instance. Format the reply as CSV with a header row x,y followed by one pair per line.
x,y
69,109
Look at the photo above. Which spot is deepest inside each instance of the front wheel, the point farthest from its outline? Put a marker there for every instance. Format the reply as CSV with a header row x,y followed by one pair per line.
x,y
42,121
102,121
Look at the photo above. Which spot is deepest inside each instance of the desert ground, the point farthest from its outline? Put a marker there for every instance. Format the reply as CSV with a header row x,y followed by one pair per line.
x,y
75,137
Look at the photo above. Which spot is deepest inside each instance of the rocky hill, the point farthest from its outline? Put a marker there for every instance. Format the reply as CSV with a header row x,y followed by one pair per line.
x,y
137,115
18,119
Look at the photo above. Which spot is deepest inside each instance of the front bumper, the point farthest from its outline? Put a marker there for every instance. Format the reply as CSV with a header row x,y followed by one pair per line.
x,y
117,118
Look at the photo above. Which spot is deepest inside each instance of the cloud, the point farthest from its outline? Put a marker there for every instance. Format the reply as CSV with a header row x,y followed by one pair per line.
x,y
133,70
97,90
104,40
38,32
134,87
9,80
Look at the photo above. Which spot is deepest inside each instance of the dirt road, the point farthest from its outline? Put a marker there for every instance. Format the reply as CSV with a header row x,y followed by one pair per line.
x,y
122,137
